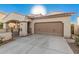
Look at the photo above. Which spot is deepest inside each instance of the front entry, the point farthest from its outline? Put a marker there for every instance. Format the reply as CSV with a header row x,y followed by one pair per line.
x,y
14,27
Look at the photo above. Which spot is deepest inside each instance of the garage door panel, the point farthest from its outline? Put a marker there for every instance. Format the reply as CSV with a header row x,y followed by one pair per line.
x,y
55,28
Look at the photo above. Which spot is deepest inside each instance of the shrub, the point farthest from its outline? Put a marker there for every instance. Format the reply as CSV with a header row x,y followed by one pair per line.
x,y
72,28
77,40
1,25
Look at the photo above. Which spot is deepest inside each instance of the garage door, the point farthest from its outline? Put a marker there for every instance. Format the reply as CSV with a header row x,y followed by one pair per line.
x,y
54,28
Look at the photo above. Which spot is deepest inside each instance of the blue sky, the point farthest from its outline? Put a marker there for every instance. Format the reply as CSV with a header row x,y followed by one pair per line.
x,y
26,8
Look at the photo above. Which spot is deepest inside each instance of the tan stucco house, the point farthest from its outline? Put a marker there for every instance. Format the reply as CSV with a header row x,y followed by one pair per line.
x,y
53,23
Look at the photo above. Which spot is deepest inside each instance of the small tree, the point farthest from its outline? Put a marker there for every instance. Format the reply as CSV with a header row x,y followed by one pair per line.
x,y
72,28
1,25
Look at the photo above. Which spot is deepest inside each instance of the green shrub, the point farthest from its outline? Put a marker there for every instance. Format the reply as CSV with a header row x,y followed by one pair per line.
x,y
72,28
1,42
1,25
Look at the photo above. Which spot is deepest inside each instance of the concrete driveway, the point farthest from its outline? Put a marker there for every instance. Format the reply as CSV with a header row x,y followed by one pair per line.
x,y
37,44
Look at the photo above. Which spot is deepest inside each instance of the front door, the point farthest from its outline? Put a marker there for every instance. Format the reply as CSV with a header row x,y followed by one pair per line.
x,y
16,32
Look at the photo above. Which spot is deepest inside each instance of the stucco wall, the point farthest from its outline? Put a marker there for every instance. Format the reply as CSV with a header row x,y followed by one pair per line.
x,y
6,35
23,27
65,20
76,29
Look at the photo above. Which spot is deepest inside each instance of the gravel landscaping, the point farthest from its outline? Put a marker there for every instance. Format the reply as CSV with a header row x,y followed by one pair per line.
x,y
73,45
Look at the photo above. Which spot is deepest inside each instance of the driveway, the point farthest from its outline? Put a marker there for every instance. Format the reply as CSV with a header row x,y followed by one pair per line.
x,y
37,44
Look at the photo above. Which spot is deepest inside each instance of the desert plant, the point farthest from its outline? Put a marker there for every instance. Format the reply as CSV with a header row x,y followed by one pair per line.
x,y
1,42
77,40
1,25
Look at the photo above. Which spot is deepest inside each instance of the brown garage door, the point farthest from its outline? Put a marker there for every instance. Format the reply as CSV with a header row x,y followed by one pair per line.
x,y
55,28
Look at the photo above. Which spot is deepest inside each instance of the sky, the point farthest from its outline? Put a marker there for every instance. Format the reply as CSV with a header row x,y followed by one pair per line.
x,y
25,9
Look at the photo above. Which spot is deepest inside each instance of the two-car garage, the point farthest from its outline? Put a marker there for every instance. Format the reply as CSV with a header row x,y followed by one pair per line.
x,y
55,24
54,28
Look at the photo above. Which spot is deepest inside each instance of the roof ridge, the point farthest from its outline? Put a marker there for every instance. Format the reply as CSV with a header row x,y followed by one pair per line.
x,y
17,13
